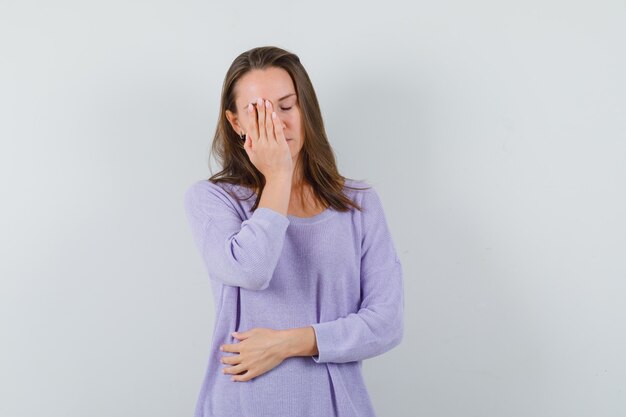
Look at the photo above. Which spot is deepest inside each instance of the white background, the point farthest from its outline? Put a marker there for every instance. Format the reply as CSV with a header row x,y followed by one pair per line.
x,y
495,133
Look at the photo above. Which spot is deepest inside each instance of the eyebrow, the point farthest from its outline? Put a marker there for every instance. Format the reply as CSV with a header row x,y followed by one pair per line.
x,y
288,95
280,99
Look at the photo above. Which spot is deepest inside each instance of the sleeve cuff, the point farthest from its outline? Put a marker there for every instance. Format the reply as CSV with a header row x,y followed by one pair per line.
x,y
322,339
272,216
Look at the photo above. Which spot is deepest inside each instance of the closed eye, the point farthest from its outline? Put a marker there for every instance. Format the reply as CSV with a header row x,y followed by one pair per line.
x,y
285,108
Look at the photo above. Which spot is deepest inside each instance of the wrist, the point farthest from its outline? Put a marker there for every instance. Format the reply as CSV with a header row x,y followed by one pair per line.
x,y
279,178
300,341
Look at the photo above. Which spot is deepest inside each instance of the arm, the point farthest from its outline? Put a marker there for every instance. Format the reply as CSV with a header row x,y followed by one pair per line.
x,y
235,252
299,341
378,325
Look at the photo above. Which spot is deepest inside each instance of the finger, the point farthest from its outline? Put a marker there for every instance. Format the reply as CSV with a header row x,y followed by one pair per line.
x,y
231,360
240,335
253,130
269,126
230,348
278,128
234,370
260,108
244,377
247,145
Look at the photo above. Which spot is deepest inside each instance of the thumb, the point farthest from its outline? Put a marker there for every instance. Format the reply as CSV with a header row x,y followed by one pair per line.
x,y
247,144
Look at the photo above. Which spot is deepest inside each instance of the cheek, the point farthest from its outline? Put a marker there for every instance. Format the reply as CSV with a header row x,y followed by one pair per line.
x,y
292,120
288,119
245,118
289,116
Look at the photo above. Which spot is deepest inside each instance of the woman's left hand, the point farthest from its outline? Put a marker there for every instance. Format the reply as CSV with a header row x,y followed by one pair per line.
x,y
260,350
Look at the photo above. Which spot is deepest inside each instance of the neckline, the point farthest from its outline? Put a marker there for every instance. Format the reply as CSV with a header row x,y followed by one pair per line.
x,y
328,212
312,219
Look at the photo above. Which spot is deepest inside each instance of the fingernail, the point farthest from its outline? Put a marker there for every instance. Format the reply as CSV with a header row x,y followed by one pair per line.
x,y
221,347
267,104
273,115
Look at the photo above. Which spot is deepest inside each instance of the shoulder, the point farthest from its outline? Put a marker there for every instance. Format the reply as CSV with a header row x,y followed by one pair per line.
x,y
219,187
204,192
362,192
356,188
202,187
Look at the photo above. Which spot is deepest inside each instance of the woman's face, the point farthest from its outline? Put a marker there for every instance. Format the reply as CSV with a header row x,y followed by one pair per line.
x,y
273,84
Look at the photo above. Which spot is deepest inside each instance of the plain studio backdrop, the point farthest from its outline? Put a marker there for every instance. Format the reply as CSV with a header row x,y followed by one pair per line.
x,y
495,133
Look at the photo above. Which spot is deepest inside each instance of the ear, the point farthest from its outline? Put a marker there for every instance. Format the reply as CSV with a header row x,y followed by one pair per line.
x,y
234,122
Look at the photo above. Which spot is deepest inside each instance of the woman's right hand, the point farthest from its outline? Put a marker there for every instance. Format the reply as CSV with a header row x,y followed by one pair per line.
x,y
265,143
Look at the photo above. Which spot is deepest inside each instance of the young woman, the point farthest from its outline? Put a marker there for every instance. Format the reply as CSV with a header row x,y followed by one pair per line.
x,y
305,276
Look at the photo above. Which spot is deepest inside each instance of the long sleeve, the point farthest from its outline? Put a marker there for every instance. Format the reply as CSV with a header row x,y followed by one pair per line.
x,y
379,323
235,252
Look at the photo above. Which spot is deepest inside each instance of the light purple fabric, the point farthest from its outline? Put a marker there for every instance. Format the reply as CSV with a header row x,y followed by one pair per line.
x,y
336,271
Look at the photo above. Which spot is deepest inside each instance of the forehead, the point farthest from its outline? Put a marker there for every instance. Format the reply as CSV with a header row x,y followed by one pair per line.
x,y
270,83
